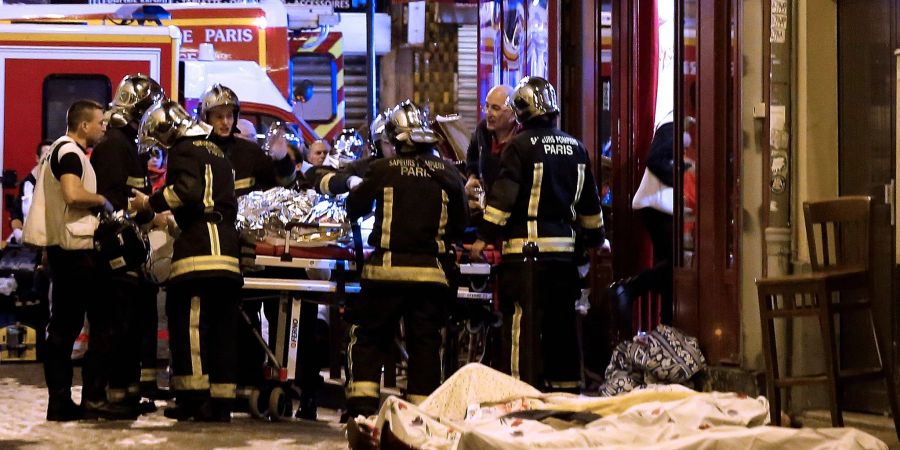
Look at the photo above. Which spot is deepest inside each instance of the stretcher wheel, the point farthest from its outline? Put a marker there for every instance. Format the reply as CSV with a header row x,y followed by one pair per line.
x,y
281,407
258,405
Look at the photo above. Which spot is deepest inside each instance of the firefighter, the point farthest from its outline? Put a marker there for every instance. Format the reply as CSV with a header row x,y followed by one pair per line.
x,y
544,205
254,170
204,283
120,169
405,275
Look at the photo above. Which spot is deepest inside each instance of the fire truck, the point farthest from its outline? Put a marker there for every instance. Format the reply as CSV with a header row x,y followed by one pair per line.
x,y
295,42
246,31
46,66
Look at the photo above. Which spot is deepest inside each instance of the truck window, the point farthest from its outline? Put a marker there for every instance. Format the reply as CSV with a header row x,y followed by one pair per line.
x,y
60,91
321,70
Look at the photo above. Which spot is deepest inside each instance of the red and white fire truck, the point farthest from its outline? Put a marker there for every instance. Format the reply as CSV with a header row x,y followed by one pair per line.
x,y
46,66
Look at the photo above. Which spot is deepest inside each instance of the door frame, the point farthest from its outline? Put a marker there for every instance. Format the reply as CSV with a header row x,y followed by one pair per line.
x,y
712,314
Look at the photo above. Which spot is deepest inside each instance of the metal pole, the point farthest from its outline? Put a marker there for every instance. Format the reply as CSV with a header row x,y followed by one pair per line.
x,y
778,229
371,76
777,195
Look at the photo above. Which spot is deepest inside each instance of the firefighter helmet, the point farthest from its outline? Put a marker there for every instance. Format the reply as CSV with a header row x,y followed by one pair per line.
x,y
407,126
533,97
120,242
348,147
218,95
376,132
164,123
135,93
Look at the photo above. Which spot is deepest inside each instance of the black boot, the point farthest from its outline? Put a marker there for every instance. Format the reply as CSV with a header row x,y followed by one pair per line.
x,y
102,409
623,294
187,404
142,407
360,406
215,410
61,408
308,407
149,390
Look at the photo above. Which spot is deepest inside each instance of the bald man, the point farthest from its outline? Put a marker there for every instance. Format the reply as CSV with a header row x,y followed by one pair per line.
x,y
246,130
315,154
491,135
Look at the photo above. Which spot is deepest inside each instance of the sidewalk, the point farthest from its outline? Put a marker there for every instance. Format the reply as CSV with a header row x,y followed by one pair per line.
x,y
881,427
24,404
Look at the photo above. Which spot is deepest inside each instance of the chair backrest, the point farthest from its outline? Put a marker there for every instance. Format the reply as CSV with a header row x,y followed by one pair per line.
x,y
837,232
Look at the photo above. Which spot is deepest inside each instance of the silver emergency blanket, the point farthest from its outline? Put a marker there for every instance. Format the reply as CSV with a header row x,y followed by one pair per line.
x,y
265,215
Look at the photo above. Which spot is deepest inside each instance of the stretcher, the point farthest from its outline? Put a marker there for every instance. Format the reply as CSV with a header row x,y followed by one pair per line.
x,y
289,290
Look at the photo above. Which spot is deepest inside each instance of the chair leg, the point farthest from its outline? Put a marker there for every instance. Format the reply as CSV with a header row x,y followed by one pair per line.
x,y
826,324
888,373
770,353
892,398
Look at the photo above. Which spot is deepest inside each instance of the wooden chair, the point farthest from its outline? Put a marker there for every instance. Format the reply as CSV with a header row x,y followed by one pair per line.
x,y
838,237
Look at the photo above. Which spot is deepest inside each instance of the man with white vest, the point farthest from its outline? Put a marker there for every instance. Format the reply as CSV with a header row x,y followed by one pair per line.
x,y
61,219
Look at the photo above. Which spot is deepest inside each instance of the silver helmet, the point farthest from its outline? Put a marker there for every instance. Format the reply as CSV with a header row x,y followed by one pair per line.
x,y
376,132
348,147
164,123
407,126
533,97
376,128
135,93
218,95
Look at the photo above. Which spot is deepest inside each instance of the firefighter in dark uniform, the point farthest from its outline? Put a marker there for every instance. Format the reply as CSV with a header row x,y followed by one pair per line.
x,y
205,279
545,206
405,275
254,170
120,169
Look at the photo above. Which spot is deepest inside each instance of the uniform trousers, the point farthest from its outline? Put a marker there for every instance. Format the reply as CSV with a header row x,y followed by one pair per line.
x,y
375,316
539,339
202,315
135,299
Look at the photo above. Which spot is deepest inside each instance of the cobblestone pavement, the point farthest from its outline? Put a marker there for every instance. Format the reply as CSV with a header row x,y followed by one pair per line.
x,y
23,403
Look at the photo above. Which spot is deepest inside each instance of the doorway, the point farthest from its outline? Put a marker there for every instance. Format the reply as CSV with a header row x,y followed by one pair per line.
x,y
866,166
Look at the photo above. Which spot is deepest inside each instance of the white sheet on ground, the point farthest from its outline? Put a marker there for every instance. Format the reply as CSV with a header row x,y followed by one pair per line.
x,y
467,411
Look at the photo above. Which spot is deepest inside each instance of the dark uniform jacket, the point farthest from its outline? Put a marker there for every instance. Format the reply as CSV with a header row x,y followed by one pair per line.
x,y
420,208
545,192
120,168
200,192
253,169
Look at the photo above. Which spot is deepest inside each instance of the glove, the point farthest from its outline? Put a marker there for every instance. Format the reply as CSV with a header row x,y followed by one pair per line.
x,y
278,150
108,207
353,181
